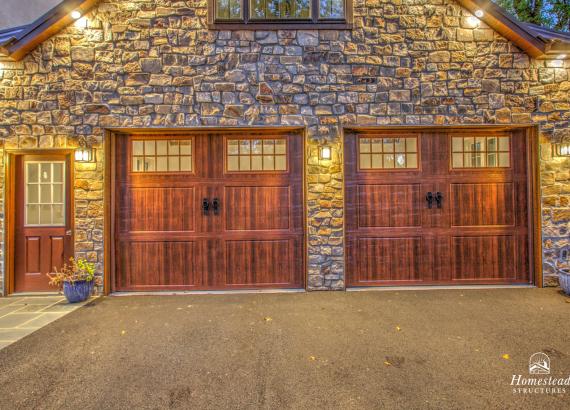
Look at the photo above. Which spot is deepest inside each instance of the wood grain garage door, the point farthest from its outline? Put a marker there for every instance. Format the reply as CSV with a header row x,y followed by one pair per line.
x,y
209,211
437,208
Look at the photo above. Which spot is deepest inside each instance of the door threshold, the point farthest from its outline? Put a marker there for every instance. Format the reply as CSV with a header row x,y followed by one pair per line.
x,y
34,294
205,292
437,287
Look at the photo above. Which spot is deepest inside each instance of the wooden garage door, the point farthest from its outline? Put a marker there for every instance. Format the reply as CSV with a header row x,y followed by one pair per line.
x,y
209,211
437,208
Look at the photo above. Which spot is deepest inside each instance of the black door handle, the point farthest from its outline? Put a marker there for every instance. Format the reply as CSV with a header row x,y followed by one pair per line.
x,y
205,206
216,205
429,199
438,199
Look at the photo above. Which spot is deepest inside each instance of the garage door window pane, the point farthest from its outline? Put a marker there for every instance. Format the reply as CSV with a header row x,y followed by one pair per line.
x,y
480,152
248,155
162,155
44,193
388,153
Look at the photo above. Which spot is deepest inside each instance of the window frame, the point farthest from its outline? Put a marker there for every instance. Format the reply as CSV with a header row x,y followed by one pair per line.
x,y
486,168
227,171
247,23
156,138
63,182
418,138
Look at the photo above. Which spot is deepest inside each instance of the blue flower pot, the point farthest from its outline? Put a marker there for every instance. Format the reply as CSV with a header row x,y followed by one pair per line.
x,y
78,291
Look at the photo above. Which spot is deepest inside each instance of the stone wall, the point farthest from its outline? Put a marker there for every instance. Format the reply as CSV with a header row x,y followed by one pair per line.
x,y
142,63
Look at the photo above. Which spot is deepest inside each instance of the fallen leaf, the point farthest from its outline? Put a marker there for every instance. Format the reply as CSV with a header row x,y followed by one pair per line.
x,y
267,319
506,356
398,328
388,363
312,358
123,332
189,306
178,308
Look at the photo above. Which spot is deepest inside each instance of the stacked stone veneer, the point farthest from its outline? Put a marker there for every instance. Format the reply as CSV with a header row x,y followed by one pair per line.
x,y
139,63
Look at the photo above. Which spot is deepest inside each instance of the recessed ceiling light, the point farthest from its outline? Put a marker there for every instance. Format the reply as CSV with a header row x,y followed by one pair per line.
x,y
75,14
479,13
561,57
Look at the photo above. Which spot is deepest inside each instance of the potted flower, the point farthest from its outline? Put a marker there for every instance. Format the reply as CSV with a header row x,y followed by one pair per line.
x,y
77,279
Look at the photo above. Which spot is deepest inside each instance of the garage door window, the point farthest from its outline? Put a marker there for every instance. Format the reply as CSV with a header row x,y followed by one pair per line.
x,y
388,153
481,152
162,155
246,155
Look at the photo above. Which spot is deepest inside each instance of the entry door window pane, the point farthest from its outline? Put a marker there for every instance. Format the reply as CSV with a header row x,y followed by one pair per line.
x,y
44,193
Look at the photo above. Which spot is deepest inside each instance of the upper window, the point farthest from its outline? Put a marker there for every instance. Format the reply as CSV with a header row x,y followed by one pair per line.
x,y
279,11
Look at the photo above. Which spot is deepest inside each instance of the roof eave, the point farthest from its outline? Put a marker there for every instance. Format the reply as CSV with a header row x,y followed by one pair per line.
x,y
44,27
501,22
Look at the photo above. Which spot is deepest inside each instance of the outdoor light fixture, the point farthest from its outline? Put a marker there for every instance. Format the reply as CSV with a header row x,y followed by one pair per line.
x,y
479,13
561,149
325,152
84,153
75,14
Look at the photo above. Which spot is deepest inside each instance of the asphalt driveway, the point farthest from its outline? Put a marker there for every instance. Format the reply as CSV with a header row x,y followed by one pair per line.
x,y
406,349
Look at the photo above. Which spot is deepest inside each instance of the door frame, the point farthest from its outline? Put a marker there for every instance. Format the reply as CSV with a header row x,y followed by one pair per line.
x,y
110,184
10,206
531,132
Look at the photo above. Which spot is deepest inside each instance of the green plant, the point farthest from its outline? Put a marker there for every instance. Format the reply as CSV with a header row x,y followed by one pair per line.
x,y
74,271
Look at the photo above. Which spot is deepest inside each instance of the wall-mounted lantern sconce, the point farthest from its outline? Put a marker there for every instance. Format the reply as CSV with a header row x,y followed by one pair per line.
x,y
561,149
325,152
84,153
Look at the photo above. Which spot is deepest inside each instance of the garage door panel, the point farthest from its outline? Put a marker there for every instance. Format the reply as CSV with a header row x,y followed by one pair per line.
x,y
436,259
259,262
257,208
486,258
158,265
461,218
161,209
483,204
389,205
388,259
199,226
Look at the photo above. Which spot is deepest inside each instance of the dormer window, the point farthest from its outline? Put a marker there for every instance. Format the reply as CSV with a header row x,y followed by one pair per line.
x,y
273,14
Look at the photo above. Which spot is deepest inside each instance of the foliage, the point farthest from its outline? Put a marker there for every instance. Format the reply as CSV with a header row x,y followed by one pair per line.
x,y
549,13
74,271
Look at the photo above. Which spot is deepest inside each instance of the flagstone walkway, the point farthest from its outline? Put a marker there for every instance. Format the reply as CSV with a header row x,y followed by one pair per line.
x,y
20,316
